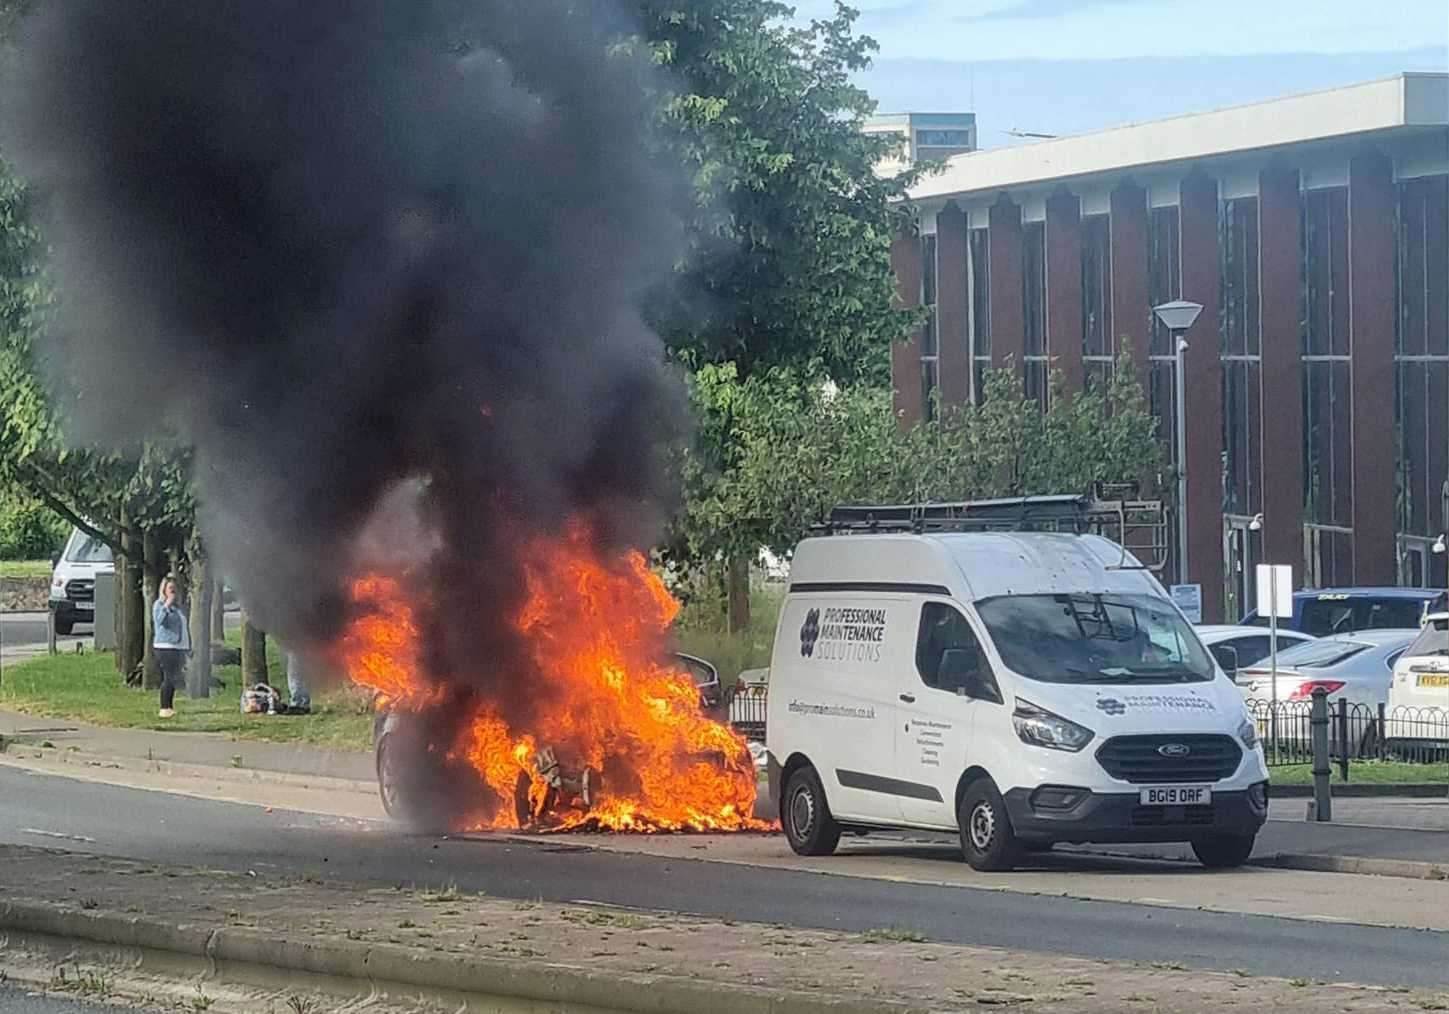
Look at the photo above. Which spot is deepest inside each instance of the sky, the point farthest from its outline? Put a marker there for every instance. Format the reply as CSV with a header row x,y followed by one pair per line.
x,y
1068,66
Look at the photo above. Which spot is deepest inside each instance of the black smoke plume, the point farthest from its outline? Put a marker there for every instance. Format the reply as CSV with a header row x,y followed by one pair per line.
x,y
381,263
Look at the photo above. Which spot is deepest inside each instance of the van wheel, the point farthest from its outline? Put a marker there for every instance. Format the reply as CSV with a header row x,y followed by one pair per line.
x,y
1223,851
65,626
805,815
987,839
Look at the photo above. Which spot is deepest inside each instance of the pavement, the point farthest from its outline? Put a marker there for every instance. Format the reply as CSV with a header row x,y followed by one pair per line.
x,y
440,942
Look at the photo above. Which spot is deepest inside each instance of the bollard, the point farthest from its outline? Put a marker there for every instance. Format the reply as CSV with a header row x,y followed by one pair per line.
x,y
50,629
1342,730
1322,795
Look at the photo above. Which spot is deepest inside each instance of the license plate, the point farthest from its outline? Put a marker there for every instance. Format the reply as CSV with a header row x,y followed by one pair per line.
x,y
1434,679
1177,795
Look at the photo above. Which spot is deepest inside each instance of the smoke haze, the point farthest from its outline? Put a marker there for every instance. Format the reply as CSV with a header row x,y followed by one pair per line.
x,y
381,263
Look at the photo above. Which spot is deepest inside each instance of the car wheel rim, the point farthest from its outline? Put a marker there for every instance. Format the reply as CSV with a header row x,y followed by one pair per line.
x,y
802,813
982,826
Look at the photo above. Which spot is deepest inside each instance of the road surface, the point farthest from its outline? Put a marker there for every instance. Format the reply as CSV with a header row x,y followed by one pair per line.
x,y
22,1001
46,811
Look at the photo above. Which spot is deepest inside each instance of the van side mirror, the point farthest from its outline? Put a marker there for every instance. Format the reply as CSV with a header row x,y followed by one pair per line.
x,y
1227,657
963,671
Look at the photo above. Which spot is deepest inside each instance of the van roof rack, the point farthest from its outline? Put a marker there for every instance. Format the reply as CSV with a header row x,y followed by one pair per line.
x,y
1115,511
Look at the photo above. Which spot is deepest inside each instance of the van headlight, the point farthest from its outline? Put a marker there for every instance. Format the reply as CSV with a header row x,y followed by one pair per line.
x,y
1248,734
1039,727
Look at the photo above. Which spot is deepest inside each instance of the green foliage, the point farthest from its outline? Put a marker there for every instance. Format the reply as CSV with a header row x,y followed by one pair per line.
x,y
82,484
805,448
790,228
28,529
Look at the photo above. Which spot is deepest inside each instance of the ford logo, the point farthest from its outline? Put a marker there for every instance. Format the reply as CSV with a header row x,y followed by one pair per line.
x,y
1174,750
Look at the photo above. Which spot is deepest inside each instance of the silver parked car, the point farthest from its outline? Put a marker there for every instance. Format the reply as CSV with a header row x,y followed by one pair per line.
x,y
1237,648
1354,667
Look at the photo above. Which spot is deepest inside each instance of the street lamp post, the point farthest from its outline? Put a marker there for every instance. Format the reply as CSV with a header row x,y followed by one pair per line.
x,y
1177,316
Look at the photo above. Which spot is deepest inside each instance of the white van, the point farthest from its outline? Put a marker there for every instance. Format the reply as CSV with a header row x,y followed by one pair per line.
x,y
73,579
1417,716
1021,688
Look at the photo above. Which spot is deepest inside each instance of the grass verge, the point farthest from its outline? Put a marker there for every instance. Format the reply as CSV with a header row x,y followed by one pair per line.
x,y
24,568
1365,773
86,688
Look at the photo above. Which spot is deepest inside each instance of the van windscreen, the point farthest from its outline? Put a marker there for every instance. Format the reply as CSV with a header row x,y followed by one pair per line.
x,y
1091,638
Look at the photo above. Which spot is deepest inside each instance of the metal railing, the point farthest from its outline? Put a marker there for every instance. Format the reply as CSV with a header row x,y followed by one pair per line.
x,y
744,707
1356,732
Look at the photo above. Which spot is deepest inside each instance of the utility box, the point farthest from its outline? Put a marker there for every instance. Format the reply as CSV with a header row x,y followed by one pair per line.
x,y
105,612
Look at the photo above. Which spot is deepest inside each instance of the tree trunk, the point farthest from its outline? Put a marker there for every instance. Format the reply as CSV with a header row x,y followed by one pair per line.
x,y
738,585
131,602
151,573
254,653
198,674
218,609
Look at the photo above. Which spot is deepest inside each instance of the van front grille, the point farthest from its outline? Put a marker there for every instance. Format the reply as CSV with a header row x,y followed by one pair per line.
x,y
81,589
1145,760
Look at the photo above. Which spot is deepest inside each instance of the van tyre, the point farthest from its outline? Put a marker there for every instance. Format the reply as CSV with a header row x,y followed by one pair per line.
x,y
987,839
64,626
805,815
1223,851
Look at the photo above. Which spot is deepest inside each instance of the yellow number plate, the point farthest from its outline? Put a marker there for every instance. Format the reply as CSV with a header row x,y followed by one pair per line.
x,y
1434,679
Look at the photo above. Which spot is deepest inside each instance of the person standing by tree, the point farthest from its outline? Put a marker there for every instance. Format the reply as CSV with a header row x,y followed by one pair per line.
x,y
172,642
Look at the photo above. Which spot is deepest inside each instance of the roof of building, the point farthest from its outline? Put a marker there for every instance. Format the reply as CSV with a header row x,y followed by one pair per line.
x,y
1406,100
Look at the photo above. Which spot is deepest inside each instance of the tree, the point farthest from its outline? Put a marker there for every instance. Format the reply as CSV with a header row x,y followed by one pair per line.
x,y
806,449
137,501
788,267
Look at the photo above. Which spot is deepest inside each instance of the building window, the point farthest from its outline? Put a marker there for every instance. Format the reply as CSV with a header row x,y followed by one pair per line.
x,y
1327,390
1033,297
1422,349
1241,357
1238,242
1164,272
1099,344
930,342
979,282
1325,272
943,138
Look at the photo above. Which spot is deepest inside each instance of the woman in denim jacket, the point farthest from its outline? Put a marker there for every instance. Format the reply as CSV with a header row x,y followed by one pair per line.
x,y
171,642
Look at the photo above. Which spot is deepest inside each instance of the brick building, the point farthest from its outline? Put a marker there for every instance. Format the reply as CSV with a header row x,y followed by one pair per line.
x,y
1314,230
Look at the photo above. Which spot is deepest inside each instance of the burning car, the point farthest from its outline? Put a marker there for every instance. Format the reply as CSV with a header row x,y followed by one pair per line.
x,y
416,779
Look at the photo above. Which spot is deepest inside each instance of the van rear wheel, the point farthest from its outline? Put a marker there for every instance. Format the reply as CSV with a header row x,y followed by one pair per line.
x,y
987,839
1223,851
805,815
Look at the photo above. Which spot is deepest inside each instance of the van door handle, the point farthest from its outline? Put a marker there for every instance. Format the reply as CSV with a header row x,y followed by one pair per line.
x,y
909,698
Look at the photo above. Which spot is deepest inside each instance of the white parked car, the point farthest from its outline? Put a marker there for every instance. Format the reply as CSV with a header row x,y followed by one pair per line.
x,y
1237,647
1419,695
1355,667
1020,688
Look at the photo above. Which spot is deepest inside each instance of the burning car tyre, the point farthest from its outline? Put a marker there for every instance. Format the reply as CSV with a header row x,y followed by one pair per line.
x,y
411,788
805,815
987,839
1224,851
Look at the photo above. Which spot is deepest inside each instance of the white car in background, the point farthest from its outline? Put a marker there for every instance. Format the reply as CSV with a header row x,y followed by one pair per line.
x,y
73,579
1418,706
1236,648
1354,667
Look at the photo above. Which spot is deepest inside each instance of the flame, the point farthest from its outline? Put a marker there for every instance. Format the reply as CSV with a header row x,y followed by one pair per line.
x,y
617,740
